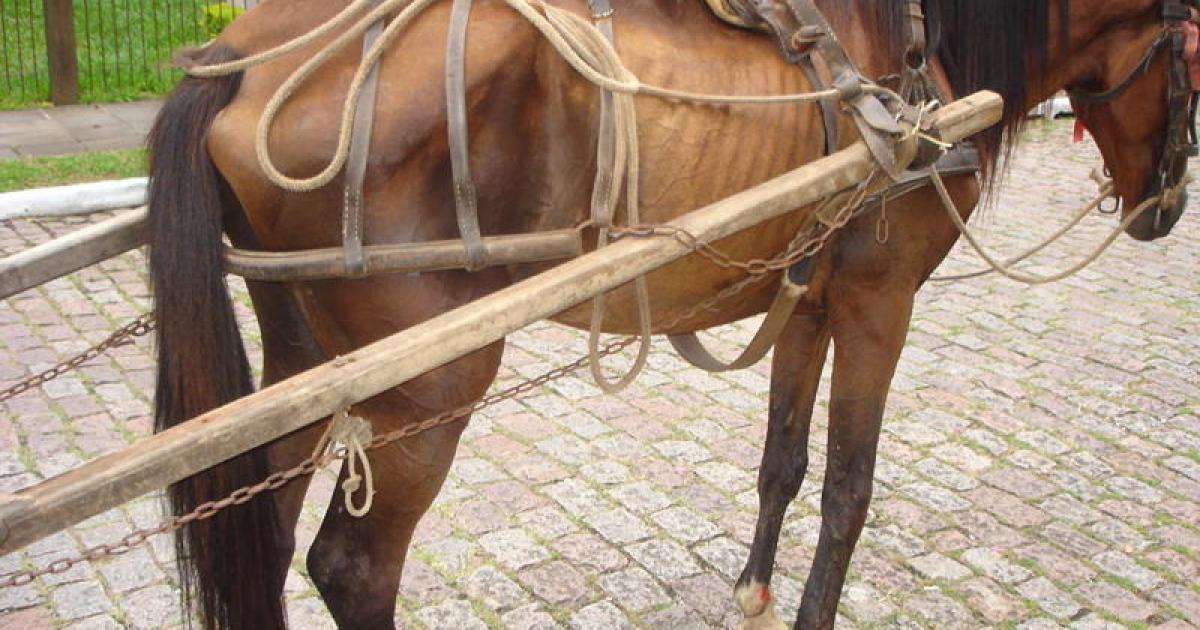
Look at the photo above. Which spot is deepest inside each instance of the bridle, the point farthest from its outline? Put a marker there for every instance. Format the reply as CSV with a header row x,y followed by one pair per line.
x,y
1180,142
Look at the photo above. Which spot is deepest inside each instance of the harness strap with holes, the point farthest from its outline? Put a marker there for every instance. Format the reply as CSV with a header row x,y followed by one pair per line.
x,y
356,164
466,199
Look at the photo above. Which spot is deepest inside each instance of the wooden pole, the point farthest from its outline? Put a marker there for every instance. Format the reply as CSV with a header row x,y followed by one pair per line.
x,y
60,51
301,400
70,253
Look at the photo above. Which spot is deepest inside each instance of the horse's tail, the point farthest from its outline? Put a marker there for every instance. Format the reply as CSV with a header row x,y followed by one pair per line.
x,y
229,574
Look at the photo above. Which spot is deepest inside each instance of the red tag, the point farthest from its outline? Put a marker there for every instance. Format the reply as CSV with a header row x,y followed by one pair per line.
x,y
1080,129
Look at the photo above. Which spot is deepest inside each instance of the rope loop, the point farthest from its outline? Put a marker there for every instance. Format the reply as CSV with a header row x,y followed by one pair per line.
x,y
1006,268
355,435
578,41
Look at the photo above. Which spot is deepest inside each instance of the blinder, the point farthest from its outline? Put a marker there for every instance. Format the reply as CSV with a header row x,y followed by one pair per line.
x,y
1181,37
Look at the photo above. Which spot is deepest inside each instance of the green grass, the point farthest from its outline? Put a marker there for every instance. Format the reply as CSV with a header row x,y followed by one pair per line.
x,y
124,48
19,174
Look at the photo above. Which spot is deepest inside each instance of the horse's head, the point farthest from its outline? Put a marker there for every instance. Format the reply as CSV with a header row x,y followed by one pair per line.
x,y
1128,65
1132,75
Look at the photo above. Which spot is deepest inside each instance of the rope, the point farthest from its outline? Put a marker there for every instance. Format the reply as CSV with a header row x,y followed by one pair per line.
x,y
1106,191
354,433
593,47
349,106
1005,269
291,45
570,36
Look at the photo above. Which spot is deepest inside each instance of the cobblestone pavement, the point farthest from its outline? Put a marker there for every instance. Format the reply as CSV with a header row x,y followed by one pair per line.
x,y
1040,465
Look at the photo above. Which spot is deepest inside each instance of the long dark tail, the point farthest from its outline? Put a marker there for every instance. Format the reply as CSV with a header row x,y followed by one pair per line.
x,y
229,571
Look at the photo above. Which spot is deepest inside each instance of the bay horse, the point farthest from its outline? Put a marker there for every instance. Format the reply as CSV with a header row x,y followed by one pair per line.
x,y
534,123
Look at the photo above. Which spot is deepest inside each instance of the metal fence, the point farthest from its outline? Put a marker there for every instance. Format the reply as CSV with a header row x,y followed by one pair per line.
x,y
109,49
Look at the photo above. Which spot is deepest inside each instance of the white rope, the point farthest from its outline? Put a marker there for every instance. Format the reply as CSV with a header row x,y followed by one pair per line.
x,y
561,32
354,433
1006,269
592,46
1106,192
291,45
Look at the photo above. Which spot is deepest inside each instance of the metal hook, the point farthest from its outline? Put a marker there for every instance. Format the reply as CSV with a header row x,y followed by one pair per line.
x,y
1113,209
882,227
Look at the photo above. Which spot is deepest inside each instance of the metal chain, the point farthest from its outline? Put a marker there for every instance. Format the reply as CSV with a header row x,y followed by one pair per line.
x,y
306,467
122,337
799,249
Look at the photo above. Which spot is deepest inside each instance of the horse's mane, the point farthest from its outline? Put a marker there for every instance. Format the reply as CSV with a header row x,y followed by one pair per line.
x,y
999,45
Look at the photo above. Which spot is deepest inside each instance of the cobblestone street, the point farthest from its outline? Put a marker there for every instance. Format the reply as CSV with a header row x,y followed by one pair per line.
x,y
1039,467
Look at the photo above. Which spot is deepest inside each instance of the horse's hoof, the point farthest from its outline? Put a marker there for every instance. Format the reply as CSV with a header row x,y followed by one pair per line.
x,y
758,608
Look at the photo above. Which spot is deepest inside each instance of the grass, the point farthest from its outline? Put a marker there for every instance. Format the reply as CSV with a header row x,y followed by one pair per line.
x,y
124,47
19,174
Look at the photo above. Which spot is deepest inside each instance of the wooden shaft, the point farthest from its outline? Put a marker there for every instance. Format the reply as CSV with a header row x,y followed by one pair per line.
x,y
70,253
308,397
60,51
404,258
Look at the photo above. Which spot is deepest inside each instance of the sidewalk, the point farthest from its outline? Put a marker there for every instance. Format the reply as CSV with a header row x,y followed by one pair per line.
x,y
75,128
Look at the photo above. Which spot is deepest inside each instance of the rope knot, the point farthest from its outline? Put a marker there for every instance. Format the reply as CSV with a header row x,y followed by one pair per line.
x,y
354,434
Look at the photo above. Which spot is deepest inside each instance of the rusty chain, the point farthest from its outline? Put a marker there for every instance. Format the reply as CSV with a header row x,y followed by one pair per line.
x,y
306,467
801,248
122,337
804,246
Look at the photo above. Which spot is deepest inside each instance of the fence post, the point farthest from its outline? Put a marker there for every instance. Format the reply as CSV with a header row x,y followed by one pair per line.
x,y
60,51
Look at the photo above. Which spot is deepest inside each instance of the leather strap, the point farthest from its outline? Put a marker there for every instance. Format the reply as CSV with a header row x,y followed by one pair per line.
x,y
689,346
915,52
605,191
829,113
963,159
356,164
466,199
875,123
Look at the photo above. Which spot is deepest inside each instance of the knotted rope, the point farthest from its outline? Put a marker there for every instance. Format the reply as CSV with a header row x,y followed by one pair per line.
x,y
354,434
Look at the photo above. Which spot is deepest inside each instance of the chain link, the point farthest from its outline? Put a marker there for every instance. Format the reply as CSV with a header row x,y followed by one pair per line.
x,y
801,248
122,337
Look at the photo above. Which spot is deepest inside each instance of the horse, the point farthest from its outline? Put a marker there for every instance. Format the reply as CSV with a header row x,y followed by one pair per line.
x,y
534,125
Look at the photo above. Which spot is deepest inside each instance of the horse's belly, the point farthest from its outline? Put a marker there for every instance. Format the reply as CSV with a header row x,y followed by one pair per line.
x,y
679,290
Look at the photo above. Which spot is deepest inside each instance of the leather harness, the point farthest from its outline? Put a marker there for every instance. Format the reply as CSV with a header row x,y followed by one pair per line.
x,y
811,33
802,30
1179,37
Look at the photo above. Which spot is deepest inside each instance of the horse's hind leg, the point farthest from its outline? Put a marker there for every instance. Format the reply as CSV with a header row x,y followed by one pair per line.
x,y
795,375
869,324
288,349
356,563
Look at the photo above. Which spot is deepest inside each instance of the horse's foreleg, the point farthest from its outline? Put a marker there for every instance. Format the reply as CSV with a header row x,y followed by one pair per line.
x,y
869,324
795,374
356,563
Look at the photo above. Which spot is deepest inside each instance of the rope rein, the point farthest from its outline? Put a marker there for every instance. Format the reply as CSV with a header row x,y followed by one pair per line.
x,y
1006,268
1106,191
